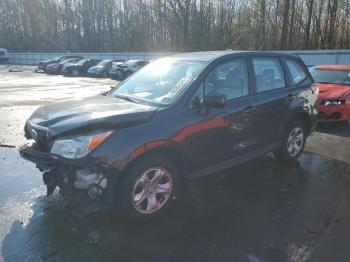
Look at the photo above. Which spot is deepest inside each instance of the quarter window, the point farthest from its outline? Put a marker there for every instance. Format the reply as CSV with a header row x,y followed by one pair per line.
x,y
296,71
268,74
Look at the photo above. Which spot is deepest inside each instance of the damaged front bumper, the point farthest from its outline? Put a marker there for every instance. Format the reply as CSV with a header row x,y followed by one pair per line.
x,y
86,185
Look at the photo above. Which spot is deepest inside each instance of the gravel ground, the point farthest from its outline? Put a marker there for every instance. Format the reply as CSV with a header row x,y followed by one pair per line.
x,y
262,210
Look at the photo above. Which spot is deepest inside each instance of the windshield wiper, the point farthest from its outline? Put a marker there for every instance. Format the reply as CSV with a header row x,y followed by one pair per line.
x,y
128,98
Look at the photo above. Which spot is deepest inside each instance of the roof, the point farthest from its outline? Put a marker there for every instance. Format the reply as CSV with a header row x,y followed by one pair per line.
x,y
334,67
208,56
202,56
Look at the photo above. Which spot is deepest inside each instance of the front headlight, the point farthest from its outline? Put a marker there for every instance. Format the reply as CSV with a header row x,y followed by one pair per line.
x,y
333,102
78,147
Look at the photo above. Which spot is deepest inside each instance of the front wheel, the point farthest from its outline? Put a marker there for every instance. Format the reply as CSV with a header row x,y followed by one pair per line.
x,y
293,142
148,188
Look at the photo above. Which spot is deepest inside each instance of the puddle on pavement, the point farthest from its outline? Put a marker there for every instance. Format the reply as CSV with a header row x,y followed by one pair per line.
x,y
256,210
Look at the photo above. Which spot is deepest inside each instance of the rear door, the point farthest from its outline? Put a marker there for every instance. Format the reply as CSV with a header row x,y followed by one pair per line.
x,y
274,97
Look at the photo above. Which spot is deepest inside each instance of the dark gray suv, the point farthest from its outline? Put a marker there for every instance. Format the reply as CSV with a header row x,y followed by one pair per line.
x,y
178,118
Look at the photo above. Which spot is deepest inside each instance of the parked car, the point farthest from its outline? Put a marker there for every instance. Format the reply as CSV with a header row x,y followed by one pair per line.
x,y
3,55
101,69
43,64
124,70
115,65
56,68
334,97
81,67
178,118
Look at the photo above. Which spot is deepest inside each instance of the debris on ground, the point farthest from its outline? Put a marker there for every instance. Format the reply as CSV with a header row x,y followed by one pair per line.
x,y
298,253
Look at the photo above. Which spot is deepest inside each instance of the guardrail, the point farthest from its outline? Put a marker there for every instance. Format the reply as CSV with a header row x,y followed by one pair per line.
x,y
35,58
310,57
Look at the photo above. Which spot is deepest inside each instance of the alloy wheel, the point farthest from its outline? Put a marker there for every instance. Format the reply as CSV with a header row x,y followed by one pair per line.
x,y
295,141
152,190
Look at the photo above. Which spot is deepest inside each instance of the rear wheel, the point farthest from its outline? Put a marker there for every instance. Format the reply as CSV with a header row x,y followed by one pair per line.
x,y
293,142
148,188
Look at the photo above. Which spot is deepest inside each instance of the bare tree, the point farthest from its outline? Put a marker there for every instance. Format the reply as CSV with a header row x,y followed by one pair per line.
x,y
173,25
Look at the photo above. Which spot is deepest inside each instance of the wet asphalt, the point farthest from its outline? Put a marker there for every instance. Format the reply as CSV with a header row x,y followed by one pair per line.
x,y
262,210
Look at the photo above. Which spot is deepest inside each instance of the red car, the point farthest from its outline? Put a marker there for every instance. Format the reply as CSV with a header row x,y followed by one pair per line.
x,y
334,92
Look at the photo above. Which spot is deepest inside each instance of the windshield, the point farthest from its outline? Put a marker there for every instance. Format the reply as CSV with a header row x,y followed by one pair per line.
x,y
70,61
81,61
331,76
160,82
103,62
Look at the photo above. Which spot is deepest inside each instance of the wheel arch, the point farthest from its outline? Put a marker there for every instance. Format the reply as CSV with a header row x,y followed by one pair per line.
x,y
162,148
301,116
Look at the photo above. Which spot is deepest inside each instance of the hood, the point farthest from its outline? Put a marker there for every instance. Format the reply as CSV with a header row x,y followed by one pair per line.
x,y
84,115
332,91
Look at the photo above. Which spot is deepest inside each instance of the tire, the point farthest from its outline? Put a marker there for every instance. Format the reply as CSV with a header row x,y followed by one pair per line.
x,y
75,73
292,148
133,188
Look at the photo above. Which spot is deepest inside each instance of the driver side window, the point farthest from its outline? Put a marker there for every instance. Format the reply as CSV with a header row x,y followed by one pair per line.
x,y
229,79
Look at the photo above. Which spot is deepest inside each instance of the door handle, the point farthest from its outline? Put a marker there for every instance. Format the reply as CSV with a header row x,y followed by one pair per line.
x,y
248,110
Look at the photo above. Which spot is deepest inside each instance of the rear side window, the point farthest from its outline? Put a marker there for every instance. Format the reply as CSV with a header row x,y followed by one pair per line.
x,y
268,74
296,71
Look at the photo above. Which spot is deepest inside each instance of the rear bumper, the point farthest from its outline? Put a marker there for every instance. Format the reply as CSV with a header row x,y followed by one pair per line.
x,y
42,67
93,74
62,173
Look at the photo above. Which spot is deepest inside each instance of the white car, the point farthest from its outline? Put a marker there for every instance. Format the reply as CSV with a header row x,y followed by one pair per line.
x,y
120,71
3,55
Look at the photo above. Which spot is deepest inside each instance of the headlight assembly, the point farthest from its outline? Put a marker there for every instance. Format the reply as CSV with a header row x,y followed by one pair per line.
x,y
333,102
78,147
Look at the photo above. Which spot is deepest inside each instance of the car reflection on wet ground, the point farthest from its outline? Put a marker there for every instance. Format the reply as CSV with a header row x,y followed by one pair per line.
x,y
262,210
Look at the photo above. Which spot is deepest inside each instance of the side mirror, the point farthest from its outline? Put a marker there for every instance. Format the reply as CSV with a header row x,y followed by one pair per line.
x,y
215,101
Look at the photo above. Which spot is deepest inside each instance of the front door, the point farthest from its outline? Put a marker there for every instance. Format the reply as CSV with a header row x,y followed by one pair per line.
x,y
220,134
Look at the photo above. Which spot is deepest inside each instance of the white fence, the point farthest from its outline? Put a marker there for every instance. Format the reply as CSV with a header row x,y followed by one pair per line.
x,y
310,57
